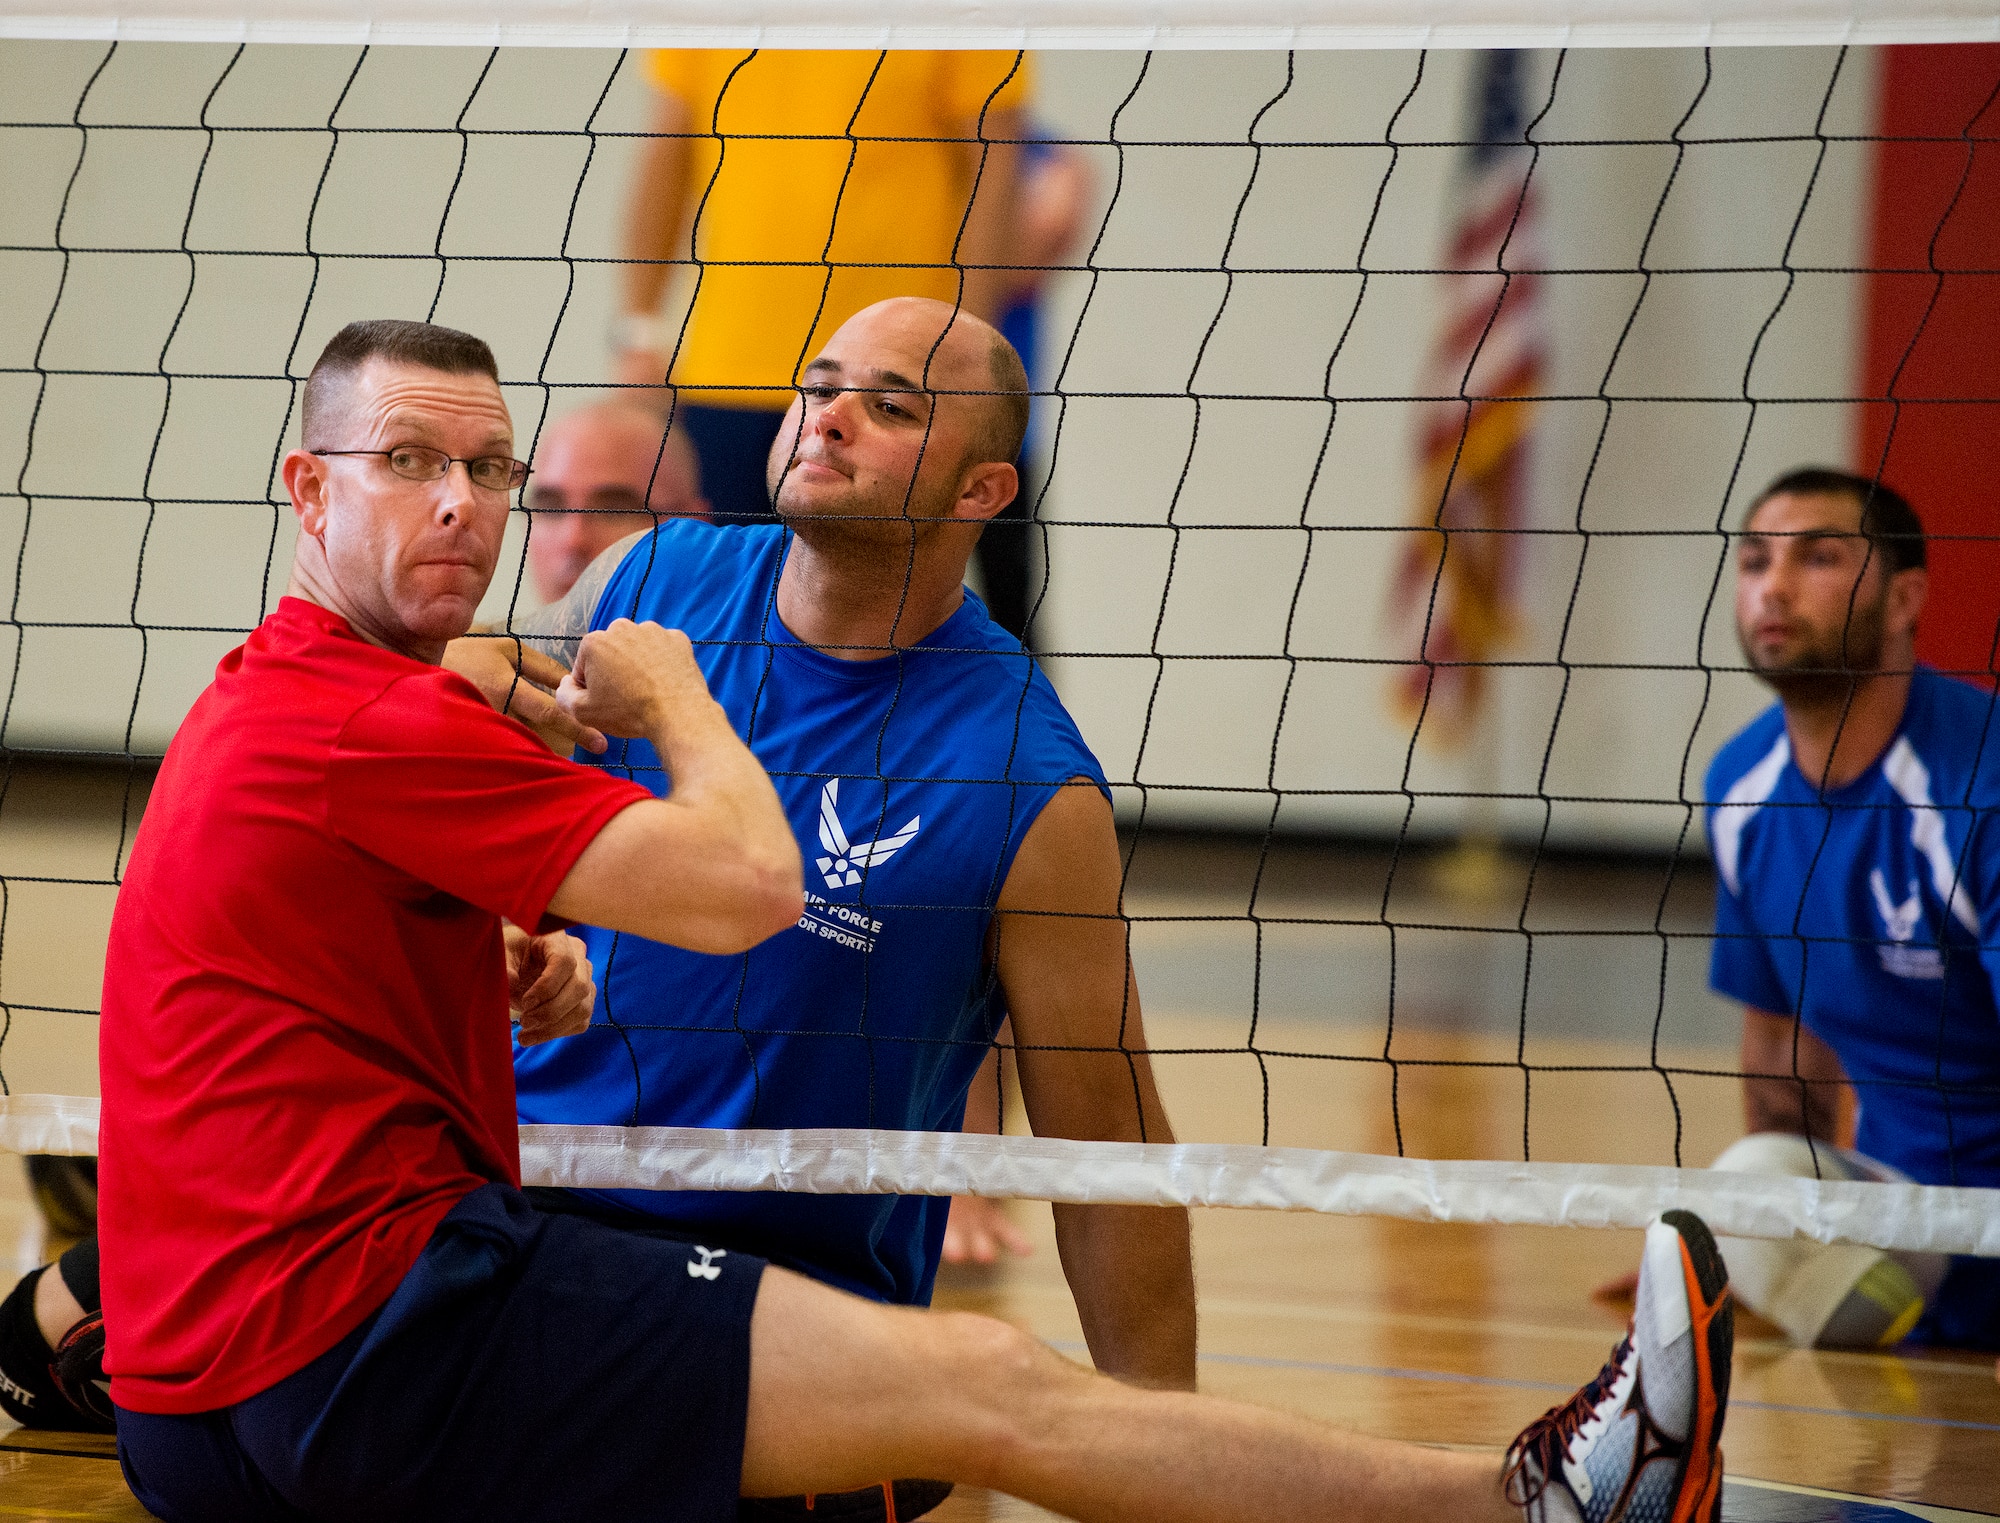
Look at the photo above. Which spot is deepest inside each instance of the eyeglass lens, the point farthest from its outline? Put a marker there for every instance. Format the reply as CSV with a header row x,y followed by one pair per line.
x,y
498,473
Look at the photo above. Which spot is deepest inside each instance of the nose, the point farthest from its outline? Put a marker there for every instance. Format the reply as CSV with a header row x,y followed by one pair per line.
x,y
455,494
829,418
566,531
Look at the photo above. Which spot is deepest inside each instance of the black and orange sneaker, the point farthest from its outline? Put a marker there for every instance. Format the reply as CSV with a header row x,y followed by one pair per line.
x,y
1642,1442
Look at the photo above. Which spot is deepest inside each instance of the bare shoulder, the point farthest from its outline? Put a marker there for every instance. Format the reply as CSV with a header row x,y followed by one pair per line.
x,y
1069,856
558,629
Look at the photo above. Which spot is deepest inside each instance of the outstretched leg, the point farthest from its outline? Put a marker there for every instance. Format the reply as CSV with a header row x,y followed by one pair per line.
x,y
843,1392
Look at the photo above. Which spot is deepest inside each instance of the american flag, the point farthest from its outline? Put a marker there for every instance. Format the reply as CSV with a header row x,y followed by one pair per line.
x,y
1452,601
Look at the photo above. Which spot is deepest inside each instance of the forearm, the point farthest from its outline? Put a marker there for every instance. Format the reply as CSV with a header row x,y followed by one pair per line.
x,y
724,791
1129,1268
986,246
653,217
1792,1081
1792,1105
1131,1271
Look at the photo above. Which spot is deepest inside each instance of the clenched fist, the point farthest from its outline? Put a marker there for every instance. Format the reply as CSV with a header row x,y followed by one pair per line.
x,y
636,680
549,985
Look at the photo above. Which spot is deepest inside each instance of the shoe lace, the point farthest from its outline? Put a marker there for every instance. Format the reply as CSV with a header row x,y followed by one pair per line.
x,y
1546,1440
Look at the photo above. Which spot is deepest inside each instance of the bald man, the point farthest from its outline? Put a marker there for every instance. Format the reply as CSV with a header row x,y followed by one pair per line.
x,y
926,758
961,867
600,474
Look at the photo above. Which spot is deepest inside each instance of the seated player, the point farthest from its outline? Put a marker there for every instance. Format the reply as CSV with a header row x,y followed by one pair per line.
x,y
964,861
330,1298
1859,887
1132,1264
601,473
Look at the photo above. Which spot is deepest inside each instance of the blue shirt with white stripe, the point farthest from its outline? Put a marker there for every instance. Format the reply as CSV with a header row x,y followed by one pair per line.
x,y
911,782
1872,912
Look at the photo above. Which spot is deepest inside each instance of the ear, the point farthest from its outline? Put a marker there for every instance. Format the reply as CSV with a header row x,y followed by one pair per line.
x,y
1908,590
985,489
305,478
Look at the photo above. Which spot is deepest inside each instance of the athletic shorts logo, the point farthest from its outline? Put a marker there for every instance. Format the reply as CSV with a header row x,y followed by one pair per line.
x,y
1901,922
707,1269
842,865
19,1393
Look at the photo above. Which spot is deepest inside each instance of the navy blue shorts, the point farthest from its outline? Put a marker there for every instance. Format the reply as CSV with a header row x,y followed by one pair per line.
x,y
529,1366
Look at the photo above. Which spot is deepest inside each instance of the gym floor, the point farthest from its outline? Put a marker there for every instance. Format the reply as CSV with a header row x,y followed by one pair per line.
x,y
1440,1334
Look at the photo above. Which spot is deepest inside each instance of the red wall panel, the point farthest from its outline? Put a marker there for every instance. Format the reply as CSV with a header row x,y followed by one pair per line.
x,y
1933,331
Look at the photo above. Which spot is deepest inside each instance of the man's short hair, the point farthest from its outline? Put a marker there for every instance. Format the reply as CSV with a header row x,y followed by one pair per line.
x,y
1007,419
1893,529
388,338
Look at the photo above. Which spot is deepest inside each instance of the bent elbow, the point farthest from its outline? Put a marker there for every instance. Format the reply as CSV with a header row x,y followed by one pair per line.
x,y
769,898
780,899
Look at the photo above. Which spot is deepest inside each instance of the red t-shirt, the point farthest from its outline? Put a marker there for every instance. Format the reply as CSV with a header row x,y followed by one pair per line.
x,y
304,1045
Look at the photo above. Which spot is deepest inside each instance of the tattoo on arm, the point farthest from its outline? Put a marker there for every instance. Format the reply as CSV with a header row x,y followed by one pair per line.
x,y
559,629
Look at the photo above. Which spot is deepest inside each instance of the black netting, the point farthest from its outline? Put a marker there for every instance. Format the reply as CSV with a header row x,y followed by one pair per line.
x,y
1394,416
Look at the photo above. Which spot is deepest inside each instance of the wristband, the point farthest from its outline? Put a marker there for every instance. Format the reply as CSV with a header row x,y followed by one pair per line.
x,y
637,332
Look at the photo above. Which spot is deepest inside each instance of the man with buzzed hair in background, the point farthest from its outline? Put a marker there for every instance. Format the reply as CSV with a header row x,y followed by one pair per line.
x,y
601,473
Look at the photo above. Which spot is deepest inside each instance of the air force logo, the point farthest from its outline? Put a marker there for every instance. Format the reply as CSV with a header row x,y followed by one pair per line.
x,y
1902,922
842,866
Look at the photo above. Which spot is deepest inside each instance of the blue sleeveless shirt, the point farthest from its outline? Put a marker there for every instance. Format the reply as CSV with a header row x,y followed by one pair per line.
x,y
911,781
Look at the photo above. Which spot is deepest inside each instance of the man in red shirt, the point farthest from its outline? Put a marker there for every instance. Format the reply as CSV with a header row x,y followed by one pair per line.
x,y
309,1153
327,1296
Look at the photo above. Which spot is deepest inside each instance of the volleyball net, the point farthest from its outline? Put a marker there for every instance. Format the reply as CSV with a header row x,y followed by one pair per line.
x,y
1394,410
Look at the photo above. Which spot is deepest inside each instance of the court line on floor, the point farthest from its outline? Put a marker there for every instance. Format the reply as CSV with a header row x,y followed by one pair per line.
x,y
1598,1336
1926,1510
1453,1377
61,1454
1211,1306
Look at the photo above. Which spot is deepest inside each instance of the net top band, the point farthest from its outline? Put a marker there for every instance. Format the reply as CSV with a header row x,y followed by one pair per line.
x,y
1169,24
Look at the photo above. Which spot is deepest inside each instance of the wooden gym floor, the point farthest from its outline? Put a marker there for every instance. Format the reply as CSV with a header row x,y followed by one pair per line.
x,y
1440,1334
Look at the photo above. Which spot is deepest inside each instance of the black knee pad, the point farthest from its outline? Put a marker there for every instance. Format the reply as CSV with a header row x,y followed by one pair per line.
x,y
27,1386
78,1268
31,1390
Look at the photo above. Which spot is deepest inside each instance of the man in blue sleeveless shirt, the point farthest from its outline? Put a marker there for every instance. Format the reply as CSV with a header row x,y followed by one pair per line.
x,y
960,849
960,846
1858,891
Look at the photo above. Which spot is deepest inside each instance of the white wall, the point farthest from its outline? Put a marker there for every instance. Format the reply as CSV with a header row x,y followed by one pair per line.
x,y
1323,562
122,459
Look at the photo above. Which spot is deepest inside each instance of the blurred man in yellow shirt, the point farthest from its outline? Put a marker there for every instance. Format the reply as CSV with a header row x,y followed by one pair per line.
x,y
812,184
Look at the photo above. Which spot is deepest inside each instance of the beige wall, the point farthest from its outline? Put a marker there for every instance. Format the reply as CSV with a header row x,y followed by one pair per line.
x,y
198,500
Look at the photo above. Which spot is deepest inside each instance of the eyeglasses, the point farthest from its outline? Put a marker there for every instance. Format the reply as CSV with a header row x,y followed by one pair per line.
x,y
416,462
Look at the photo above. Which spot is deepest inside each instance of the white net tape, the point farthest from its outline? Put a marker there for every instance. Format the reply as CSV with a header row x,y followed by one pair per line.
x,y
1023,23
1930,1218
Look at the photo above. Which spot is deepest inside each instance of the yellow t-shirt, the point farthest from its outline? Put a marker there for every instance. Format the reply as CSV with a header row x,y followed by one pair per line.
x,y
779,173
